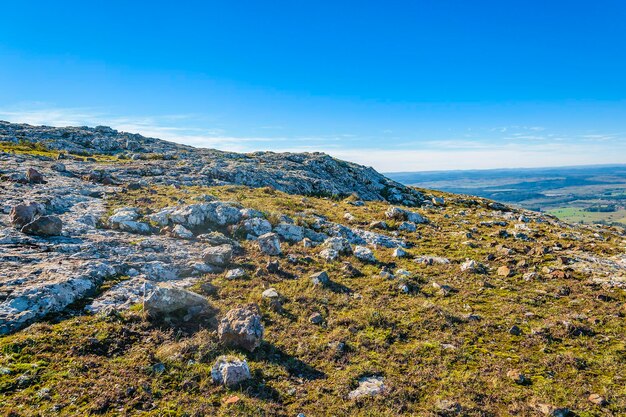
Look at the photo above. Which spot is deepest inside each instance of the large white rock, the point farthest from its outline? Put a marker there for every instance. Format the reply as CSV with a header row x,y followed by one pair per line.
x,y
230,371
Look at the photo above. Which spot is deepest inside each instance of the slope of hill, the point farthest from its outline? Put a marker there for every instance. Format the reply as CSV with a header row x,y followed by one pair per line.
x,y
133,284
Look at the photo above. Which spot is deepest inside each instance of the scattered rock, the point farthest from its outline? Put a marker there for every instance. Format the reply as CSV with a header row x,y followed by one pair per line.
x,y
368,387
166,299
517,377
289,232
597,399
316,318
504,271
236,273
269,244
338,244
218,255
44,226
448,408
473,267
181,232
400,253
23,214
364,254
241,327
34,177
329,255
230,371
350,270
320,278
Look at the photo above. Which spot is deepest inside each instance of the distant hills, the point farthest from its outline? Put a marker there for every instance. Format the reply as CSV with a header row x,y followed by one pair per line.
x,y
587,194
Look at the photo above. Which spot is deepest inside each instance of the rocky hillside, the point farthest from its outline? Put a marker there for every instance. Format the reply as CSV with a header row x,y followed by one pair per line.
x,y
173,164
141,277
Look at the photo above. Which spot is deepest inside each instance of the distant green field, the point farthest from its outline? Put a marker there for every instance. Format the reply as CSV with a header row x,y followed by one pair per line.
x,y
578,215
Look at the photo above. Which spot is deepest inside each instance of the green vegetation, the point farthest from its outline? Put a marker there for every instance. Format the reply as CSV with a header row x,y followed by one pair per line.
x,y
425,344
582,215
40,149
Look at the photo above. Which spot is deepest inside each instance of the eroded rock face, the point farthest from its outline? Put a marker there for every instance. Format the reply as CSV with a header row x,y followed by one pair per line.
x,y
230,371
241,327
296,173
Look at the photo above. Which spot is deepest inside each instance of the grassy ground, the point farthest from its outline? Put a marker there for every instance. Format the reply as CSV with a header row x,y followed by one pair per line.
x,y
579,215
40,149
423,343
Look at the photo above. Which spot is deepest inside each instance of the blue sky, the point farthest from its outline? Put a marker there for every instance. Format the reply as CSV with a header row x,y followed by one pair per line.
x,y
398,85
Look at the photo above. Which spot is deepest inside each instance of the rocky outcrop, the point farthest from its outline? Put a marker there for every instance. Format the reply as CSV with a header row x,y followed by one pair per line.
x,y
296,173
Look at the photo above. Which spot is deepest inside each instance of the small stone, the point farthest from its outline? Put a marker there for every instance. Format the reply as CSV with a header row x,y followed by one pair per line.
x,y
34,177
218,255
364,254
368,387
230,371
473,267
504,271
379,225
270,294
400,253
236,273
597,399
316,318
350,270
320,278
517,377
448,408
181,232
269,244
407,227
58,167
515,331
329,255
273,267
44,226
22,214
530,276
233,399
339,245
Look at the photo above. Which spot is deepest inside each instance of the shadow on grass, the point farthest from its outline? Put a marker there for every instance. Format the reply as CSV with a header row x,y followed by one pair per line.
x,y
294,366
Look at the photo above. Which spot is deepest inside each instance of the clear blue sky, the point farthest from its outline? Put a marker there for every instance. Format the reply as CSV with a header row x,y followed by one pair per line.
x,y
399,85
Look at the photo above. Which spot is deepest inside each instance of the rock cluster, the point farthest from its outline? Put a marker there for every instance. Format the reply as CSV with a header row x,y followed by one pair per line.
x,y
305,173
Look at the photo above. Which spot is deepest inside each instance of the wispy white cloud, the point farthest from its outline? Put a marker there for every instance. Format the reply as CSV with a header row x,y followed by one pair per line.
x,y
507,146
